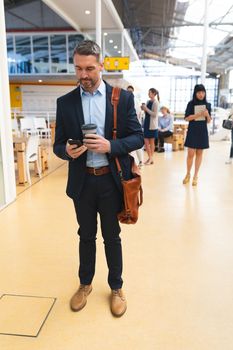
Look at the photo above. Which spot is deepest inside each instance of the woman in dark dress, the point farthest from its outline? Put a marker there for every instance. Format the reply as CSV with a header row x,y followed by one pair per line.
x,y
151,110
197,113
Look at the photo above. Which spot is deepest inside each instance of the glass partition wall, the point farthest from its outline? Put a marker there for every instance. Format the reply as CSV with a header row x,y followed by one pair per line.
x,y
41,53
52,53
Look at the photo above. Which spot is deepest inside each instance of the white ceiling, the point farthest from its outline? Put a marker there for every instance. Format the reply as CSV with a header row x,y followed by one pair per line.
x,y
190,38
73,12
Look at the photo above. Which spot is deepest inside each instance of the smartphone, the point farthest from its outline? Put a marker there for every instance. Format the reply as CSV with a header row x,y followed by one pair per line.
x,y
75,142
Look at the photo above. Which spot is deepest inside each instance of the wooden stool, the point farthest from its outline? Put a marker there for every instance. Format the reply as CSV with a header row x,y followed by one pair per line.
x,y
177,141
52,127
44,159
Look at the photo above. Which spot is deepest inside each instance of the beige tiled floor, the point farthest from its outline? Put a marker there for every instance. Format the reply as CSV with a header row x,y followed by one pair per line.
x,y
53,163
23,315
178,263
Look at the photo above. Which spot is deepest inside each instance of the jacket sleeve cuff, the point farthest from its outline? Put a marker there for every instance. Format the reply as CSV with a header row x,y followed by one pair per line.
x,y
68,157
113,148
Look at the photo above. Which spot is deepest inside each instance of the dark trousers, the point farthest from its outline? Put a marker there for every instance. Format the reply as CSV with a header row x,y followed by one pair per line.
x,y
162,136
99,195
231,151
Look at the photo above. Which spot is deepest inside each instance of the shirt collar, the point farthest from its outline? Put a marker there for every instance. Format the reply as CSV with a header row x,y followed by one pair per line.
x,y
101,89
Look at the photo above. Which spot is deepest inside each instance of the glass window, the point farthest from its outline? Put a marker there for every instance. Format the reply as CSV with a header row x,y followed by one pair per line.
x,y
211,85
40,54
10,55
182,92
58,54
73,40
23,54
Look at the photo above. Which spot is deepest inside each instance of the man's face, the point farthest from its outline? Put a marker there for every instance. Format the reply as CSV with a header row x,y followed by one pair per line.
x,y
87,70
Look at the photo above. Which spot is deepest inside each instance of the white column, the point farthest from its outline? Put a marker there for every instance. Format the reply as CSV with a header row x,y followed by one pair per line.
x,y
5,118
98,21
122,44
204,47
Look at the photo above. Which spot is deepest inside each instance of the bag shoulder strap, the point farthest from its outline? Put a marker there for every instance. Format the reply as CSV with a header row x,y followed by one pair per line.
x,y
115,100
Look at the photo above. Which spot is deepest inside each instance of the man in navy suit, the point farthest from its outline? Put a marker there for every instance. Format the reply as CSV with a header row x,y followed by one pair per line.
x,y
93,181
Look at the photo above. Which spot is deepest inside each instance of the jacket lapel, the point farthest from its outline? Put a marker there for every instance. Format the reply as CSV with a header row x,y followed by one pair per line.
x,y
78,106
109,113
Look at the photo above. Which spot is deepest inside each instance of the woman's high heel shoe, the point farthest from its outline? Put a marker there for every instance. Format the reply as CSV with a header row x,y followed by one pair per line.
x,y
194,183
148,162
186,179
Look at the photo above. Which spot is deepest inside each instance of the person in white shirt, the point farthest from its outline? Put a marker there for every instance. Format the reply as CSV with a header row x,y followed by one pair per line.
x,y
230,159
139,152
165,127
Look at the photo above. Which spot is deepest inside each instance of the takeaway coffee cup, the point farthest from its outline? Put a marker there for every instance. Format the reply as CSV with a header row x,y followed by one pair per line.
x,y
89,129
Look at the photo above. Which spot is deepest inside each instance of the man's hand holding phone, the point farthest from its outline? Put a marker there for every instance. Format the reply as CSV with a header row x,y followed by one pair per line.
x,y
74,148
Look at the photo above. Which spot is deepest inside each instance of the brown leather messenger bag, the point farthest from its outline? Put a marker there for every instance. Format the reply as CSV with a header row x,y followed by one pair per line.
x,y
132,189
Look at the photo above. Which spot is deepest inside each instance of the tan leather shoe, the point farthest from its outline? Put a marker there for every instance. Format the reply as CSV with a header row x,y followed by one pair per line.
x,y
79,299
118,303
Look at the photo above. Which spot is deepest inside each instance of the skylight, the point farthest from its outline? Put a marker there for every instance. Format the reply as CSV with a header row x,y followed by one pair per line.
x,y
190,38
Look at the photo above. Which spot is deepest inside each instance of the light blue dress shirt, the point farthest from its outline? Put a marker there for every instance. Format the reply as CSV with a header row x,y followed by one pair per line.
x,y
94,110
166,122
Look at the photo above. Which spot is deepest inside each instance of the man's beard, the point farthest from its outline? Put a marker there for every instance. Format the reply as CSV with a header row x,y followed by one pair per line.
x,y
87,83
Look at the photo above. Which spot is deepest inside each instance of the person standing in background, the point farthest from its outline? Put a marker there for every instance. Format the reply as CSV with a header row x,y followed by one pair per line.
x,y
197,113
139,152
229,161
165,127
151,109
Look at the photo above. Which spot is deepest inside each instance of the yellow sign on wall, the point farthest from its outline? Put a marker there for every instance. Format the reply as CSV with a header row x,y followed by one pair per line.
x,y
116,63
16,96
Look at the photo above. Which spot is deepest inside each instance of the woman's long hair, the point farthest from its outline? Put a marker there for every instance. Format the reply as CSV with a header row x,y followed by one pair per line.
x,y
199,87
155,92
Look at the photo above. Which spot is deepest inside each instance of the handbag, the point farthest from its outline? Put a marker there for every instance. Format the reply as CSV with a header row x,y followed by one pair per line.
x,y
228,123
132,189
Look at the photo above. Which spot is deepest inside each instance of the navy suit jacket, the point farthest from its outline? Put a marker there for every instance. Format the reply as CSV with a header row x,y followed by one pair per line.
x,y
69,120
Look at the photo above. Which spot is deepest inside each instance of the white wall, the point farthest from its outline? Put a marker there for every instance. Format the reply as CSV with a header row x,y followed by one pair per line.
x,y
42,97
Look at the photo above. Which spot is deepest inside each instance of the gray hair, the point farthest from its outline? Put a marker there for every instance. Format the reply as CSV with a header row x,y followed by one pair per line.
x,y
88,47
